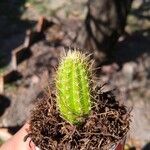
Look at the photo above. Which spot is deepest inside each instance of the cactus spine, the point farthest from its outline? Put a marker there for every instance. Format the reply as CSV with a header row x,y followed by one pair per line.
x,y
72,85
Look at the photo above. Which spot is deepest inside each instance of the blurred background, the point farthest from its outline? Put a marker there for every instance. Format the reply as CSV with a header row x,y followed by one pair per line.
x,y
33,35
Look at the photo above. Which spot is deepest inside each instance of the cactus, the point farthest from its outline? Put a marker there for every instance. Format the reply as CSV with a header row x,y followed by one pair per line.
x,y
73,89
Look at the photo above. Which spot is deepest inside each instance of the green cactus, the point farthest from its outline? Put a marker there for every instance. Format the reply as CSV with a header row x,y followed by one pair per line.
x,y
73,89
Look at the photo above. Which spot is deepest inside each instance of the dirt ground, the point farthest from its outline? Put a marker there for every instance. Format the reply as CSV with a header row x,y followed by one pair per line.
x,y
128,73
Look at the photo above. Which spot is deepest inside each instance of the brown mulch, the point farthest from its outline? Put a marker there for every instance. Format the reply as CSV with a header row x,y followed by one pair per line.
x,y
107,123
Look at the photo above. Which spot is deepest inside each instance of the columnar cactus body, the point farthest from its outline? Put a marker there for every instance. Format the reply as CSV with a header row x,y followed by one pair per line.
x,y
73,90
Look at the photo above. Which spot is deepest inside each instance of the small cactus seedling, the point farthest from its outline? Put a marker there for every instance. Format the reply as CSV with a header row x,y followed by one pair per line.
x,y
73,89
80,103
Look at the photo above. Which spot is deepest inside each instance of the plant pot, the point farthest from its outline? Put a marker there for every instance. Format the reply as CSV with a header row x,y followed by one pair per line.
x,y
119,146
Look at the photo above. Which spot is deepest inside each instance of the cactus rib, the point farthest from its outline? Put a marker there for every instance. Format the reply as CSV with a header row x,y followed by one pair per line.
x,y
73,90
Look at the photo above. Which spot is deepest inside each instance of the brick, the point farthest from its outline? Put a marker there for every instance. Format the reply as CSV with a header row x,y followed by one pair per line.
x,y
42,24
1,84
7,77
11,76
19,54
28,39
32,37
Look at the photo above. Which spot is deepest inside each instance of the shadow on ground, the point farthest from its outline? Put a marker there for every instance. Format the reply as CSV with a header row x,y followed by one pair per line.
x,y
4,104
13,130
133,46
141,11
12,28
146,147
136,44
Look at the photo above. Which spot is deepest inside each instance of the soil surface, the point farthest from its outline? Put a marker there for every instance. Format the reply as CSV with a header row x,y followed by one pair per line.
x,y
106,125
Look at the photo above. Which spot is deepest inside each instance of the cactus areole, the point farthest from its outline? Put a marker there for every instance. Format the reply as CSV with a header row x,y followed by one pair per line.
x,y
73,89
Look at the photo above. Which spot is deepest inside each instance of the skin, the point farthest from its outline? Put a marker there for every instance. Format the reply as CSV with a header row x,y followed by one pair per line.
x,y
17,141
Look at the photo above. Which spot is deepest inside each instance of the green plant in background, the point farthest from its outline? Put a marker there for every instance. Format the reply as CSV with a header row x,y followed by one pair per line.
x,y
1,141
73,89
2,70
62,9
11,87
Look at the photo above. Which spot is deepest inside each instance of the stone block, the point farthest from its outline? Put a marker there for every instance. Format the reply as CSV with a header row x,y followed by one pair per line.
x,y
19,54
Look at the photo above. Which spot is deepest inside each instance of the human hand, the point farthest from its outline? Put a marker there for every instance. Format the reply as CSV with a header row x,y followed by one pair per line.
x,y
17,141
